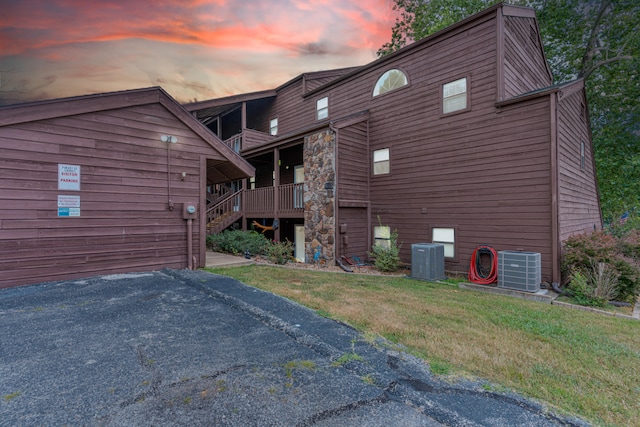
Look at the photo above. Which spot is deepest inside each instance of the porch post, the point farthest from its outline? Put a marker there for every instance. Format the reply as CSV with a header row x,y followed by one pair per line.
x,y
276,191
244,116
243,203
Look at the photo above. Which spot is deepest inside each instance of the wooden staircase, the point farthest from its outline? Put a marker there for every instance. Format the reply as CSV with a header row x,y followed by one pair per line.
x,y
224,212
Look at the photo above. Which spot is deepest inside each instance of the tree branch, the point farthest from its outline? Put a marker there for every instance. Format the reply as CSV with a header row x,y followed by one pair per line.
x,y
591,47
586,73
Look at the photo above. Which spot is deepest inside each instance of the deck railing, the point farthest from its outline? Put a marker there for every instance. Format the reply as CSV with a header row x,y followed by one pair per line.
x,y
291,198
259,202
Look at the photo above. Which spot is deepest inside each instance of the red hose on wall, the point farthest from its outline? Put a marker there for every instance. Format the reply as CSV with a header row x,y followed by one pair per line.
x,y
478,273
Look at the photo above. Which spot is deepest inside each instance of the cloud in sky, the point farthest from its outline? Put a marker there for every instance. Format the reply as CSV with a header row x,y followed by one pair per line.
x,y
194,49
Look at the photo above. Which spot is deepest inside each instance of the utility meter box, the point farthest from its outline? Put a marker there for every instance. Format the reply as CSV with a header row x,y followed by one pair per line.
x,y
189,211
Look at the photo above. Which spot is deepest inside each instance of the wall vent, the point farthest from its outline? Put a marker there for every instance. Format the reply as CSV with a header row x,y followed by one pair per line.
x,y
521,271
427,261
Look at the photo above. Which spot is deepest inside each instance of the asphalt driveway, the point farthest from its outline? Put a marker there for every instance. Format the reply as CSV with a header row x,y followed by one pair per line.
x,y
192,348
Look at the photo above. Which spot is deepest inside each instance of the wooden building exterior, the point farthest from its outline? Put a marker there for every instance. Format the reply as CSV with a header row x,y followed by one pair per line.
x,y
460,138
98,184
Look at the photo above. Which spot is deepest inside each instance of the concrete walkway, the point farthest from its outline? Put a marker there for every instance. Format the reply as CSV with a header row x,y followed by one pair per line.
x,y
217,259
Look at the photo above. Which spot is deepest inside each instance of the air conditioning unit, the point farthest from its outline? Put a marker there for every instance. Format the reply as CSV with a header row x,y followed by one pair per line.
x,y
427,261
518,270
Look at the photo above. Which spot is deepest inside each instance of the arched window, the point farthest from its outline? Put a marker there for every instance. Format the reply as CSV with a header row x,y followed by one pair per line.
x,y
392,79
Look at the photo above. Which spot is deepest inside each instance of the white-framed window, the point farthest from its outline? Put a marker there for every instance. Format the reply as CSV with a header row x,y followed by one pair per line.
x,y
273,126
446,236
382,236
381,161
582,159
454,96
252,183
390,80
322,108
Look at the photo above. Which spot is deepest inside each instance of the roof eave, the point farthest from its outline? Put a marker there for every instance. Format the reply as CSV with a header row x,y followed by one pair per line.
x,y
563,89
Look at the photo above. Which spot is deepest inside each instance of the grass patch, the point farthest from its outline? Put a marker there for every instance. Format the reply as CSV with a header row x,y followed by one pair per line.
x,y
9,397
346,358
583,363
295,365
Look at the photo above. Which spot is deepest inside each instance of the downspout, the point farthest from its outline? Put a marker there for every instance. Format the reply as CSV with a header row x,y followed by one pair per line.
x,y
336,194
555,228
202,207
369,166
190,257
169,140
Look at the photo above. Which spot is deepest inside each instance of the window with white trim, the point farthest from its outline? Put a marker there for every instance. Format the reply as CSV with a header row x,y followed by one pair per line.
x,y
582,159
392,79
381,162
322,108
382,236
273,126
447,237
454,96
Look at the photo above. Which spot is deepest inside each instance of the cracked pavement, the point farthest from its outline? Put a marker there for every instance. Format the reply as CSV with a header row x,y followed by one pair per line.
x,y
192,348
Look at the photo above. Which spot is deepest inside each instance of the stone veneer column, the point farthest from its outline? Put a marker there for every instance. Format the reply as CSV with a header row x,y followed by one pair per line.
x,y
319,196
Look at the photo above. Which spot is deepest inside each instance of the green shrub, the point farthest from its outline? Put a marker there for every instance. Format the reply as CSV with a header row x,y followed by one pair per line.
x,y
279,252
237,242
387,259
583,254
595,286
582,290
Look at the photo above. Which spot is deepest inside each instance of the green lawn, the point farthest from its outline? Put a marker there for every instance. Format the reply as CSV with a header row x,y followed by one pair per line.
x,y
578,362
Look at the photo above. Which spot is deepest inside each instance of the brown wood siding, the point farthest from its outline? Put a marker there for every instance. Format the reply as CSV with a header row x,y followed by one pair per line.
x,y
353,241
488,177
353,162
579,209
470,171
524,62
353,189
252,138
482,172
314,83
125,224
289,109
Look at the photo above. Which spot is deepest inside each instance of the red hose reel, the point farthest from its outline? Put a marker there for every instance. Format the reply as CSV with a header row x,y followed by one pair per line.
x,y
478,272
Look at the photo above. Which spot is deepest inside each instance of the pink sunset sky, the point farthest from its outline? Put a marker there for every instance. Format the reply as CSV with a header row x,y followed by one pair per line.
x,y
194,49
